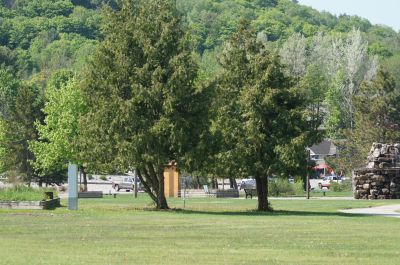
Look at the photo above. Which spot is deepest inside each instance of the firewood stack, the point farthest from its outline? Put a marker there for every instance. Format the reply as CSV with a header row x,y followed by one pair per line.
x,y
381,177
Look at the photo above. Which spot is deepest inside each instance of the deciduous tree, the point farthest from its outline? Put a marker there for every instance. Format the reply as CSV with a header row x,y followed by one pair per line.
x,y
57,144
376,120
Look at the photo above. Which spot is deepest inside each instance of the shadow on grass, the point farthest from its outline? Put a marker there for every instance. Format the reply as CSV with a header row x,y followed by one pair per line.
x,y
273,213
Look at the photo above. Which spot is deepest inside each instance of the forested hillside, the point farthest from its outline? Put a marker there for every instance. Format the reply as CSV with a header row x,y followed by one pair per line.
x,y
46,35
45,46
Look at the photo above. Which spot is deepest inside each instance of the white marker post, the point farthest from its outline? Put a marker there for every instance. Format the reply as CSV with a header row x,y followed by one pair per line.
x,y
72,187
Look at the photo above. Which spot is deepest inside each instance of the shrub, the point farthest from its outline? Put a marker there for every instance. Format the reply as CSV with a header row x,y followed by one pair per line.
x,y
298,187
345,186
280,187
102,177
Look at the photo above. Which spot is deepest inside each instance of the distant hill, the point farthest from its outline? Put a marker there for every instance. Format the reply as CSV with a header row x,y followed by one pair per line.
x,y
40,36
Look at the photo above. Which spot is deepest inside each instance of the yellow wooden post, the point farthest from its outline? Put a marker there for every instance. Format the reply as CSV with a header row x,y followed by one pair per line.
x,y
172,184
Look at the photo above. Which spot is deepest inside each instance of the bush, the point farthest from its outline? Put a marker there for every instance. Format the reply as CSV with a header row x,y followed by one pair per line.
x,y
281,187
298,187
24,193
102,177
345,186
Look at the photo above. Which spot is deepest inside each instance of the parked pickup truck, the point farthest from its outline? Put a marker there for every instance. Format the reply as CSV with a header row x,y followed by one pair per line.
x,y
127,184
326,181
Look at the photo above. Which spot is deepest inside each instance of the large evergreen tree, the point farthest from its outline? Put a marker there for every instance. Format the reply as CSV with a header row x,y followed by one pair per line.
x,y
263,117
144,107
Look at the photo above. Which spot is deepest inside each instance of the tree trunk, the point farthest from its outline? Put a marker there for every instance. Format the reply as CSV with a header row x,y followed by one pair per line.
x,y
213,183
262,193
233,183
85,187
146,185
198,182
161,200
154,185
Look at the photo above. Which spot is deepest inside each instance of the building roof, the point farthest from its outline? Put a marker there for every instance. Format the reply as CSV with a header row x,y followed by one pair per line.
x,y
326,147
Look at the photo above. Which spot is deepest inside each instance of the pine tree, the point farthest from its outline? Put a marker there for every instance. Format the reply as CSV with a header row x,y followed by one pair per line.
x,y
262,116
145,109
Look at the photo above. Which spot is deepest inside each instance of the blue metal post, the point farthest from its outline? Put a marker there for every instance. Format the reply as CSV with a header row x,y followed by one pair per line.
x,y
72,187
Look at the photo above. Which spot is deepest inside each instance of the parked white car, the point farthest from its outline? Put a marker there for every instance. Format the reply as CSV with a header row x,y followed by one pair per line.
x,y
127,183
327,180
248,184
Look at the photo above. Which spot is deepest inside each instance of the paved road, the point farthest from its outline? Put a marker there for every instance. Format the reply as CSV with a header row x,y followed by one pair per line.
x,y
387,210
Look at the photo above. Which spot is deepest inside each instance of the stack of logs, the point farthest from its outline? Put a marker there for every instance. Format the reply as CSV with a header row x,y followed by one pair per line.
x,y
381,178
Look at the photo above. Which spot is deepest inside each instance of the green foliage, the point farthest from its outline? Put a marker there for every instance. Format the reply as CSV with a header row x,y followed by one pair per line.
x,y
145,107
340,187
17,129
8,58
281,188
262,117
8,89
376,119
59,53
40,8
392,64
335,120
313,85
3,148
24,193
57,143
41,37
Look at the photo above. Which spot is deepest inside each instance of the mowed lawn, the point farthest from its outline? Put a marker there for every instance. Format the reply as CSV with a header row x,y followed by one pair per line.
x,y
207,231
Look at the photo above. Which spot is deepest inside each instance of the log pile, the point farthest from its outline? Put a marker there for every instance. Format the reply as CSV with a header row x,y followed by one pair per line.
x,y
381,177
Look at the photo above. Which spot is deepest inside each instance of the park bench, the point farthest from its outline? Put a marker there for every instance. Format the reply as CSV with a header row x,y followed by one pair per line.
x,y
229,193
90,194
250,192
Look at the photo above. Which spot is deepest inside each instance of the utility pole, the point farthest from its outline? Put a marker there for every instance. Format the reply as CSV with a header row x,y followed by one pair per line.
x,y
135,176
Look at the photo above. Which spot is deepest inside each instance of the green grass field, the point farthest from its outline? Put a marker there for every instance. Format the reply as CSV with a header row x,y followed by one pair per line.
x,y
207,231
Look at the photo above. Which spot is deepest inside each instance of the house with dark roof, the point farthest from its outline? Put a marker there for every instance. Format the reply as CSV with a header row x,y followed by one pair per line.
x,y
319,152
